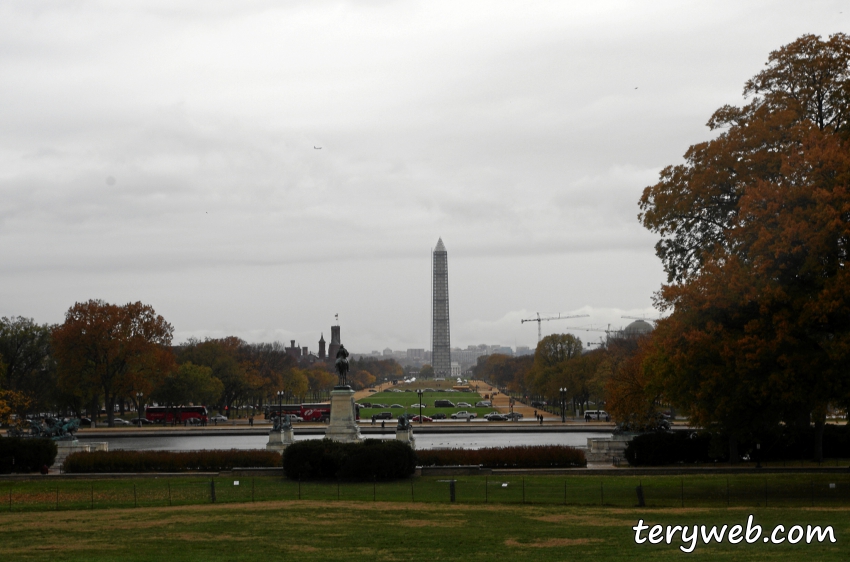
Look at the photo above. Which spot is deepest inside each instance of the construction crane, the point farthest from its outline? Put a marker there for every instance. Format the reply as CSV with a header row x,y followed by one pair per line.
x,y
558,317
644,318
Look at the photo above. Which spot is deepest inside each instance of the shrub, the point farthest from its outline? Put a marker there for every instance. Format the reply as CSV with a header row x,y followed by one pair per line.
x,y
25,455
168,461
785,443
371,459
543,456
665,447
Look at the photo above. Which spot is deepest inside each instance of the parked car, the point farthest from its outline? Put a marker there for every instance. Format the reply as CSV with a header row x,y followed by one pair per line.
x,y
396,406
438,416
464,405
513,416
382,416
418,405
85,421
496,416
483,404
538,404
444,404
429,390
193,421
218,418
143,421
424,418
464,415
372,390
119,421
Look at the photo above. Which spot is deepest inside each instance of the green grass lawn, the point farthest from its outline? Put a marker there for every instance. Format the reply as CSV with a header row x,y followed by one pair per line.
x,y
692,491
329,531
408,399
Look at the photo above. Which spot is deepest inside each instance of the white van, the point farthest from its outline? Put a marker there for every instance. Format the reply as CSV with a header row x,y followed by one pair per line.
x,y
596,415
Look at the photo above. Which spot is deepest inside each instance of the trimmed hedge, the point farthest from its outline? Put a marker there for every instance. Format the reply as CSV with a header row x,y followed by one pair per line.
x,y
25,455
371,459
542,456
788,444
664,447
168,461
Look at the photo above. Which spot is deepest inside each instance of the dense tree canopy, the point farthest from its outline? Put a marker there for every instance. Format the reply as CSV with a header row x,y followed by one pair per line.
x,y
112,348
755,231
25,349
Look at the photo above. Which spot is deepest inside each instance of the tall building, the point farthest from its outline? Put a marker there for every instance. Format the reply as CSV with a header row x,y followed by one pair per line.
x,y
335,343
322,347
441,357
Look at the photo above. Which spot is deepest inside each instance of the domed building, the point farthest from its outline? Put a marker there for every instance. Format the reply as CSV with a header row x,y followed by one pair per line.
x,y
637,328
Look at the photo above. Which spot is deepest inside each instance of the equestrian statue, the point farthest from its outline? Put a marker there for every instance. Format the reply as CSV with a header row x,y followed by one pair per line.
x,y
341,365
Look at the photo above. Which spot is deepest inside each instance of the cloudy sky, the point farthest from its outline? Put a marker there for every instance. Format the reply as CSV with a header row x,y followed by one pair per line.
x,y
165,152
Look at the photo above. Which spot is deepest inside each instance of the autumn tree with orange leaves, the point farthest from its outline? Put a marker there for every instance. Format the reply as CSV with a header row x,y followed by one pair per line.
x,y
111,349
755,235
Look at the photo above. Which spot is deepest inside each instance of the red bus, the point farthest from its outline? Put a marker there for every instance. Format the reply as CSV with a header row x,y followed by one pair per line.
x,y
160,414
316,412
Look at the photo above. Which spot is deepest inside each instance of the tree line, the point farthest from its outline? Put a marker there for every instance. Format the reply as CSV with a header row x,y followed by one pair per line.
x,y
107,355
754,231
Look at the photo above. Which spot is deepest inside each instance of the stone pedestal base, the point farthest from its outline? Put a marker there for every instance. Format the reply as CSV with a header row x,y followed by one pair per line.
x,y
606,450
342,426
65,448
406,436
280,440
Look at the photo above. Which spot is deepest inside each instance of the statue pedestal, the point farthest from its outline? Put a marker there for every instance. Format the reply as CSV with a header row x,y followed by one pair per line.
x,y
406,436
65,448
280,440
342,426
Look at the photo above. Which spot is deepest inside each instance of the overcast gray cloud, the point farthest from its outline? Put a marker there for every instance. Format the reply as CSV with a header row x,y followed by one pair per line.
x,y
164,152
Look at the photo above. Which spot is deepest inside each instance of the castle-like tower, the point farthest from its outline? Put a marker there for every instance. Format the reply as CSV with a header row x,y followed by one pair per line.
x,y
441,358
322,346
335,343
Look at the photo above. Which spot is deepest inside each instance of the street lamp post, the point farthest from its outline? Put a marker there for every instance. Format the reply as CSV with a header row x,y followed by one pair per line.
x,y
419,392
279,408
139,406
563,405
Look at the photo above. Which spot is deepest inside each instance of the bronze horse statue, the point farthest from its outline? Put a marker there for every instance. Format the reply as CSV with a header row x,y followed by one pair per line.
x,y
341,365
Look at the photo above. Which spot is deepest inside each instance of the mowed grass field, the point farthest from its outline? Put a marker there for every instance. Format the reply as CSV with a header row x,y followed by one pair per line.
x,y
748,490
408,399
306,531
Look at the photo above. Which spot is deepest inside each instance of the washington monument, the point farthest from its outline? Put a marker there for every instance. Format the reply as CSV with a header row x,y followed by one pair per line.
x,y
441,358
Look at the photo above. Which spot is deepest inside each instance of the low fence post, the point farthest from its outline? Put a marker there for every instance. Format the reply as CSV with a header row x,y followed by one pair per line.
x,y
92,495
57,498
523,489
639,490
212,490
169,493
452,490
135,499
486,489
